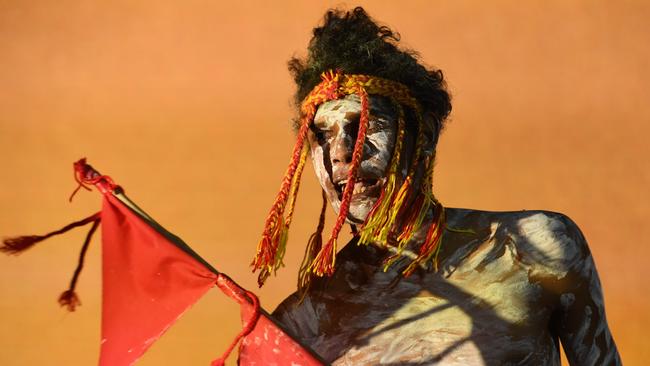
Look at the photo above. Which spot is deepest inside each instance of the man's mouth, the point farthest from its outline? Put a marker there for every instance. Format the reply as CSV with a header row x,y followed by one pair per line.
x,y
368,187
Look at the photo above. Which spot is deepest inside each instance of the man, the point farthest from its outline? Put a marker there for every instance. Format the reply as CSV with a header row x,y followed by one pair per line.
x,y
419,283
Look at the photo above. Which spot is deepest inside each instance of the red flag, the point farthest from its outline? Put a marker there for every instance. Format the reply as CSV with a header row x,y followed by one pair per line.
x,y
148,283
264,342
151,277
269,345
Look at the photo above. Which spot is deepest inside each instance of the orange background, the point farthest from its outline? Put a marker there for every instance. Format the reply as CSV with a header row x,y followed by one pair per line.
x,y
188,107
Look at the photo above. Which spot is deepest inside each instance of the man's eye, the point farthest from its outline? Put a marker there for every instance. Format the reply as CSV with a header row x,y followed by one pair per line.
x,y
375,126
319,134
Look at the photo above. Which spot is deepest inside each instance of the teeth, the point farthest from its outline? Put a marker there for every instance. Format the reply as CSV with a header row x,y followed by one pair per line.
x,y
359,188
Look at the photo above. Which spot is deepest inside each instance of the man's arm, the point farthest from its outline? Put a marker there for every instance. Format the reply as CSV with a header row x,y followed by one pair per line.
x,y
580,322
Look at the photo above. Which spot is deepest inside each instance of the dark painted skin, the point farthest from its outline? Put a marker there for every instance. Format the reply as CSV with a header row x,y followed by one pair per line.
x,y
510,285
503,295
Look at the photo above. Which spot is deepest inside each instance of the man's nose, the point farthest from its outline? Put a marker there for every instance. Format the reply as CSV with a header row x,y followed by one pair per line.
x,y
341,149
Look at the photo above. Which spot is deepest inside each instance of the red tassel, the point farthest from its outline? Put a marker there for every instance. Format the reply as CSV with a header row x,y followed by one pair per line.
x,y
19,244
410,223
275,227
431,245
69,299
15,246
324,263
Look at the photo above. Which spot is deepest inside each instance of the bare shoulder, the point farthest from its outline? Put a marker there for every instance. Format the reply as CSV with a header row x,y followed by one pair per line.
x,y
547,242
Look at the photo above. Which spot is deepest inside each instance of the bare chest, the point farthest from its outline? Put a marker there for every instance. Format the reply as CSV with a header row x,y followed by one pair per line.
x,y
483,307
491,317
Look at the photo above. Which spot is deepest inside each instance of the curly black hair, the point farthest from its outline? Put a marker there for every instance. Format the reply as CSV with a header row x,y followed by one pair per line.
x,y
354,43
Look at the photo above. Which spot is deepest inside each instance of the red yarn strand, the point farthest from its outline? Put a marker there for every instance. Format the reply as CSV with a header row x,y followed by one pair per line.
x,y
17,245
69,298
325,261
241,295
274,226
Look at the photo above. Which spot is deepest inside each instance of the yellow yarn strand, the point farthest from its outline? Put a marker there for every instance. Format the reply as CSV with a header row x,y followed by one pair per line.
x,y
284,224
295,183
414,225
421,259
405,189
378,217
440,229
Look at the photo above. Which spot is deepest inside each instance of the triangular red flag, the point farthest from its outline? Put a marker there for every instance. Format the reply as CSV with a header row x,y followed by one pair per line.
x,y
148,283
151,277
268,344
264,342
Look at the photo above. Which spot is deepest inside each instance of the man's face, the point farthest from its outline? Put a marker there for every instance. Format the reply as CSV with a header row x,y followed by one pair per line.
x,y
332,138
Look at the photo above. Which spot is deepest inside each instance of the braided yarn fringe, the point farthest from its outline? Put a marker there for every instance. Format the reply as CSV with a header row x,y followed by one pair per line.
x,y
314,246
400,210
324,262
431,247
276,229
378,218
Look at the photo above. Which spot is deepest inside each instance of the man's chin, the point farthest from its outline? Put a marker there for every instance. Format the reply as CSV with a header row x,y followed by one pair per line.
x,y
359,210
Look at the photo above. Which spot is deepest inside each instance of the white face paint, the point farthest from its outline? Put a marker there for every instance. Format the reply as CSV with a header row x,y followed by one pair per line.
x,y
332,138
